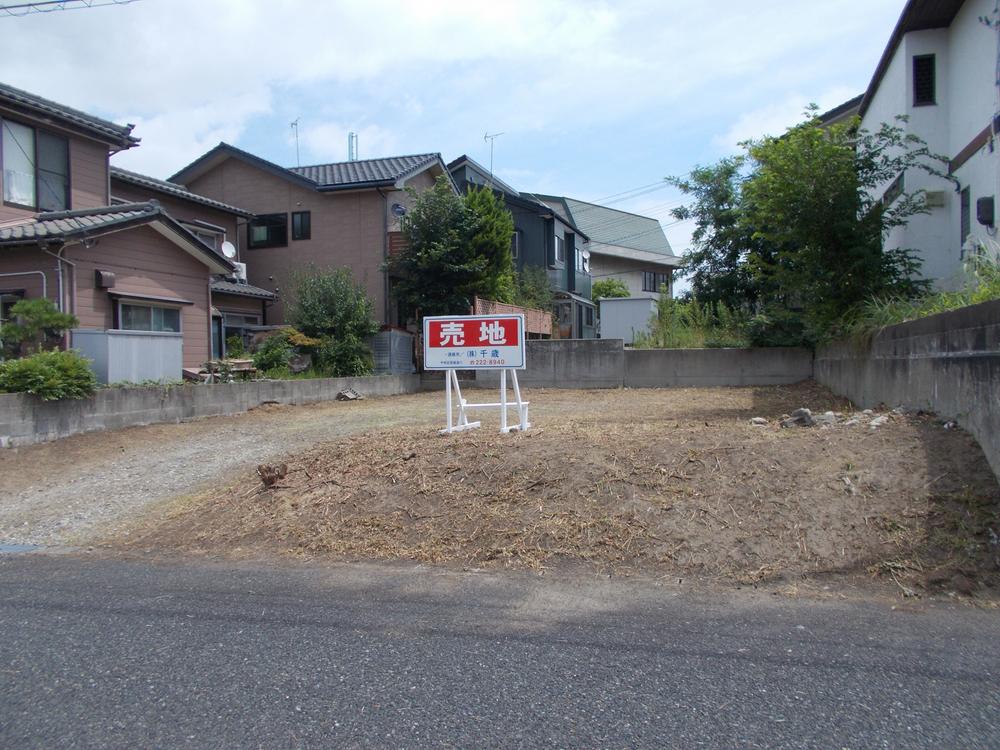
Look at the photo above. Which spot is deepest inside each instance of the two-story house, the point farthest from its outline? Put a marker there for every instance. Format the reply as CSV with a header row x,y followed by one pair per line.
x,y
135,277
343,214
238,307
623,246
939,70
543,238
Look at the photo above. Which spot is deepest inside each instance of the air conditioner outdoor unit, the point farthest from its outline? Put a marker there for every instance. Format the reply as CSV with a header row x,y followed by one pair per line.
x,y
934,198
241,272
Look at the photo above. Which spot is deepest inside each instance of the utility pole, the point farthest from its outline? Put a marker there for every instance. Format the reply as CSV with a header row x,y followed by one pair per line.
x,y
295,127
491,138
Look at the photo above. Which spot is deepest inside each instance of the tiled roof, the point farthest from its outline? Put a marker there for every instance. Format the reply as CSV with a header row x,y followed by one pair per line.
x,y
70,224
609,226
337,176
63,226
119,135
173,189
244,290
365,171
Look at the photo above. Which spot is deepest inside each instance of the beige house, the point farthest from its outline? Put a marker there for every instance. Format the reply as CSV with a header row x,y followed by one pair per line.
x,y
328,215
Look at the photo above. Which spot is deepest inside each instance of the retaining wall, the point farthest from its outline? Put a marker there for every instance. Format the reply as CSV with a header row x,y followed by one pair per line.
x,y
27,419
948,364
606,363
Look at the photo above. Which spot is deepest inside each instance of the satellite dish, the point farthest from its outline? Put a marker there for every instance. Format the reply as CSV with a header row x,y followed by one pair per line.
x,y
398,209
229,250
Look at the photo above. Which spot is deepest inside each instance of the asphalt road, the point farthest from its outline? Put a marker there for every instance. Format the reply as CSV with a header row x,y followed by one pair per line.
x,y
104,653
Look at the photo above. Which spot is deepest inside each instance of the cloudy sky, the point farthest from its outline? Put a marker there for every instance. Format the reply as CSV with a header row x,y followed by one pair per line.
x,y
594,99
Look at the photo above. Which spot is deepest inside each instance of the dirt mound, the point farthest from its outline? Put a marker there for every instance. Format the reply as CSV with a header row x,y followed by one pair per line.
x,y
630,488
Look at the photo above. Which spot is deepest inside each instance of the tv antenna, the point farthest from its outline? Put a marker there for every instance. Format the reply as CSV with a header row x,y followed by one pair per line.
x,y
491,138
295,127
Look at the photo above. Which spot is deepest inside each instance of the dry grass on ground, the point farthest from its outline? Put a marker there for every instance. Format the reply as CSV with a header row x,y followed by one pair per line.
x,y
644,481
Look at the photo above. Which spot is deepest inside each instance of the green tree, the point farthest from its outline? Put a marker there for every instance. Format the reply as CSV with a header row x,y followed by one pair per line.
x,y
327,305
491,237
36,325
722,238
533,289
457,248
609,288
814,197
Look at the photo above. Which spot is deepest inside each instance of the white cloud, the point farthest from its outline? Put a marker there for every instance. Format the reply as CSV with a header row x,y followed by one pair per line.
x,y
434,75
776,117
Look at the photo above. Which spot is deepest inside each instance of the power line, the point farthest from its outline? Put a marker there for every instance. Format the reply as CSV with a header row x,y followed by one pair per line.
x,y
51,6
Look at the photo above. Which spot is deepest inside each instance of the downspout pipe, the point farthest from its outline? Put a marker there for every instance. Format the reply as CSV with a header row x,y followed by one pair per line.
x,y
385,254
60,259
45,292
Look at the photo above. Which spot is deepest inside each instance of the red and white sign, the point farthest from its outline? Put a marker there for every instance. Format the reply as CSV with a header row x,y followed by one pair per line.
x,y
474,342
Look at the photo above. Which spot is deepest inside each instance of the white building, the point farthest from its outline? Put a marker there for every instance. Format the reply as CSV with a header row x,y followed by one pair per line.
x,y
940,69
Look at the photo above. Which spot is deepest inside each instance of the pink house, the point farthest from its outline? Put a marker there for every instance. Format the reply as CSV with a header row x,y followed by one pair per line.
x,y
137,277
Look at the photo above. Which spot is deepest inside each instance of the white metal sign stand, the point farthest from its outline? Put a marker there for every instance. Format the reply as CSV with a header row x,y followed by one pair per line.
x,y
463,423
477,342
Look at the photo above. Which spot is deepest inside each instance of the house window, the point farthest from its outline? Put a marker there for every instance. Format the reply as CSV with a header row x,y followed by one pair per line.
x,y
560,249
268,230
653,282
150,318
301,225
924,83
35,168
588,316
965,200
211,239
515,244
7,301
892,192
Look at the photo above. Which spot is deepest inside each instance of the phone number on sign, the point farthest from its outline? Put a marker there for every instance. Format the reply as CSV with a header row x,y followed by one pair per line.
x,y
486,362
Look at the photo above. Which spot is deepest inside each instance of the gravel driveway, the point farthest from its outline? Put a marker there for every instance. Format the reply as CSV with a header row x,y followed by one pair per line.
x,y
57,493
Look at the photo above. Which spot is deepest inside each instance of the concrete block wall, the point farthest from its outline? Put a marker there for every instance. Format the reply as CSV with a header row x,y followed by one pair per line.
x,y
27,419
948,364
664,368
566,363
606,363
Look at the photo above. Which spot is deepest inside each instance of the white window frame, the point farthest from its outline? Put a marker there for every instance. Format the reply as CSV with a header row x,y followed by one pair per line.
x,y
560,251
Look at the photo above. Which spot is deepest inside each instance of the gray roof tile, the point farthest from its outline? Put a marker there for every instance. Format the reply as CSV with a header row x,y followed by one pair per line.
x,y
243,290
63,226
174,189
120,135
609,226
364,171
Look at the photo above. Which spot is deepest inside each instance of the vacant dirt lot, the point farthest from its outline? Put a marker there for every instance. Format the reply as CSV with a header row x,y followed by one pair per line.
x,y
654,481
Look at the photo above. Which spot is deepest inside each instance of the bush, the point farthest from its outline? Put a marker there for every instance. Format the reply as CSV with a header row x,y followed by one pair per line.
x,y
343,357
49,375
36,325
609,289
235,347
274,352
680,324
778,326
